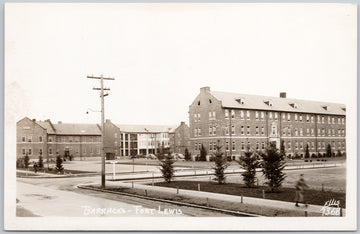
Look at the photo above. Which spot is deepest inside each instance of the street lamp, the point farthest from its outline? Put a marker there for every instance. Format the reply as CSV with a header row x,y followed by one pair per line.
x,y
147,141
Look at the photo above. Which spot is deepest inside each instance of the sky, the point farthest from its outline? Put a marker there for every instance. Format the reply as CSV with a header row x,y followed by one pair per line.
x,y
161,54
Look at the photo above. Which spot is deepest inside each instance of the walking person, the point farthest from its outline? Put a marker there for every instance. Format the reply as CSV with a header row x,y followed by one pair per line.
x,y
300,187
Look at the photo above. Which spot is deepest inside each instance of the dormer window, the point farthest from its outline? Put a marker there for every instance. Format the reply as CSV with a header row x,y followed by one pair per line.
x,y
268,102
343,108
294,105
240,100
325,107
198,103
210,101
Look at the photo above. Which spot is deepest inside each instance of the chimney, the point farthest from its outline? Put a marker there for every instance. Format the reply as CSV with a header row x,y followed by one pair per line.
x,y
59,122
108,121
283,95
182,122
34,120
205,89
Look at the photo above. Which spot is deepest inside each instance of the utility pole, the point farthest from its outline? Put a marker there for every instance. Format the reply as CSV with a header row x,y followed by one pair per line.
x,y
102,95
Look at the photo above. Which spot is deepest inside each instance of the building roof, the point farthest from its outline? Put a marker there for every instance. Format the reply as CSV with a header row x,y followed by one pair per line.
x,y
246,101
77,129
47,126
145,128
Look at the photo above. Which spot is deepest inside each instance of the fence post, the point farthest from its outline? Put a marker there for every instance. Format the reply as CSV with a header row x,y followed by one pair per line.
x,y
257,182
341,212
198,187
209,178
207,202
242,198
177,190
132,184
145,192
263,193
306,214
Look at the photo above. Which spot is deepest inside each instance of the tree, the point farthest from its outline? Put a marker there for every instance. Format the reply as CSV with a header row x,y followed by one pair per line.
x,y
187,154
40,163
220,165
339,154
202,153
307,154
26,161
167,168
59,167
249,162
328,151
273,165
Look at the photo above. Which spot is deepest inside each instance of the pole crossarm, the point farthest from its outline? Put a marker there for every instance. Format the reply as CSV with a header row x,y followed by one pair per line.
x,y
99,78
100,89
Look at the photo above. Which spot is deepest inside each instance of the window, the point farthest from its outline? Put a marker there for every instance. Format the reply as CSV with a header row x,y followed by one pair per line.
x,y
23,150
301,132
263,145
333,132
30,151
257,115
300,117
232,114
195,117
226,113
323,131
323,145
257,145
248,130
40,139
40,151
242,114
339,121
333,120
214,115
343,132
242,146
233,145
319,131
262,131
50,139
242,130
262,115
210,131
289,145
296,145
312,132
210,146
195,132
227,145
318,119
70,139
214,130
312,119
289,131
275,115
296,132
199,131
210,115
23,139
257,130
227,130
196,146
312,145
284,131
248,115
307,132
283,116
329,120
296,117
322,119
289,117
329,132
307,118
51,151
29,139
301,145
233,130
198,117
343,120
270,115
319,145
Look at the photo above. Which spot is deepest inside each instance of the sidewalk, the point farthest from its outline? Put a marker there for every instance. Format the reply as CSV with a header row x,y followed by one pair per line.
x,y
249,204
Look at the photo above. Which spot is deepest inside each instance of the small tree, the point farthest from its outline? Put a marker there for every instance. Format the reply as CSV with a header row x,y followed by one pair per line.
x,y
220,165
249,162
26,161
273,165
328,151
40,163
282,148
307,154
167,168
59,167
339,154
202,153
187,154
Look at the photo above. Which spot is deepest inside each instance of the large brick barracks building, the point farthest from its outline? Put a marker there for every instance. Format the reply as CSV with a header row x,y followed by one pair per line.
x,y
238,121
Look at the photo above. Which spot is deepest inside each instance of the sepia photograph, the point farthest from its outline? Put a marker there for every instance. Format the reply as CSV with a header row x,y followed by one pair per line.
x,y
180,116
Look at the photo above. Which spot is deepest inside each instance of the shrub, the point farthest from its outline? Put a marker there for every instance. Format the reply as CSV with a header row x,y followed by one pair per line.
x,y
59,167
26,161
249,162
202,153
220,165
167,168
187,155
40,163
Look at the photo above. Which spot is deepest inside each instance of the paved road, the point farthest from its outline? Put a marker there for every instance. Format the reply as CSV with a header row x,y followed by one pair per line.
x,y
59,197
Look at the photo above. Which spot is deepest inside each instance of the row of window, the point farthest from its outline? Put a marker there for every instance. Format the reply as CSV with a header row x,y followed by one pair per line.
x,y
29,151
261,145
285,132
61,139
260,115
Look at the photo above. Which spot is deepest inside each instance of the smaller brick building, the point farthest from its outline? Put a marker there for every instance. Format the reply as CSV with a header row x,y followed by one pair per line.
x,y
180,138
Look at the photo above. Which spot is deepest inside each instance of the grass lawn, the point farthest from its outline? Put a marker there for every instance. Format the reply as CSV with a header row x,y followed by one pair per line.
x,y
51,171
314,197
